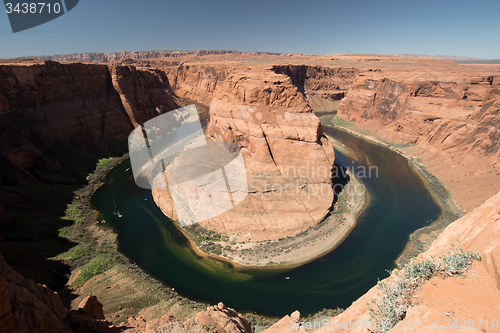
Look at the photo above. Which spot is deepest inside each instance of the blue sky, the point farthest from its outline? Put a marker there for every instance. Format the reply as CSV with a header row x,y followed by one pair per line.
x,y
439,27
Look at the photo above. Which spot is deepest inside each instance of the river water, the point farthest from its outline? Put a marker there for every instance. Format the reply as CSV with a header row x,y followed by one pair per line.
x,y
400,203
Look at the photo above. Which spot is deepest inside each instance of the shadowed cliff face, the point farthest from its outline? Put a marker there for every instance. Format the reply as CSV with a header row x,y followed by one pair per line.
x,y
42,106
57,121
322,86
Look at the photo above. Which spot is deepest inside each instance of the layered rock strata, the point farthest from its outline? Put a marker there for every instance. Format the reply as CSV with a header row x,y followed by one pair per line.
x,y
323,86
29,307
48,104
448,119
288,160
439,113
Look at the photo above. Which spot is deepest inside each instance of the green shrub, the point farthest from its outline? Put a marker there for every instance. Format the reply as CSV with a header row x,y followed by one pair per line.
x,y
396,293
421,270
96,266
457,261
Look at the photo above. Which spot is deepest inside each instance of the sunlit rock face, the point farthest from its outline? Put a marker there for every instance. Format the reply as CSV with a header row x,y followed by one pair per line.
x,y
288,160
446,114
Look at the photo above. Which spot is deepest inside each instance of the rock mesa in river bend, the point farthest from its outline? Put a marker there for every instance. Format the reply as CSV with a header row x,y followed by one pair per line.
x,y
288,160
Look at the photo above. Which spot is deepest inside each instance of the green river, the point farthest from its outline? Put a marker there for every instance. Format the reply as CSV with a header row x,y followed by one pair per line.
x,y
399,204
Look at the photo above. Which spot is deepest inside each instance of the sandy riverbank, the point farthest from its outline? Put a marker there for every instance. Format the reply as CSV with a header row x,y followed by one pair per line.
x,y
304,247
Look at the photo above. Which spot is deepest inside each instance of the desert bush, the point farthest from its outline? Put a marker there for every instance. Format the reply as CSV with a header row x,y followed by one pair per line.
x,y
457,261
259,323
94,267
421,270
396,292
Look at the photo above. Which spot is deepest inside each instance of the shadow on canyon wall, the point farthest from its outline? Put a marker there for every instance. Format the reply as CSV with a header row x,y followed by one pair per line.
x,y
339,180
60,123
34,214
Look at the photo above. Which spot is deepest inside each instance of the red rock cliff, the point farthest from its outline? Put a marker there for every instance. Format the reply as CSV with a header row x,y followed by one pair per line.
x,y
439,300
448,117
41,105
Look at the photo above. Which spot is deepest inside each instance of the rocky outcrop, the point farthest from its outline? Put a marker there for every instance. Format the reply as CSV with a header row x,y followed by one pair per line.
x,y
45,105
26,306
91,306
271,121
288,159
90,318
33,307
477,231
287,324
216,319
223,320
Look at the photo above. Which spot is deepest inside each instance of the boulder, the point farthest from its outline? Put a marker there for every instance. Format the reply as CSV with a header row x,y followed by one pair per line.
x,y
91,305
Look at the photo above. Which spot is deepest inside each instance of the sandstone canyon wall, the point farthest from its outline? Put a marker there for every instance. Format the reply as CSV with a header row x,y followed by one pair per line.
x,y
42,106
444,114
439,113
323,86
197,81
91,108
27,306
282,144
446,117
